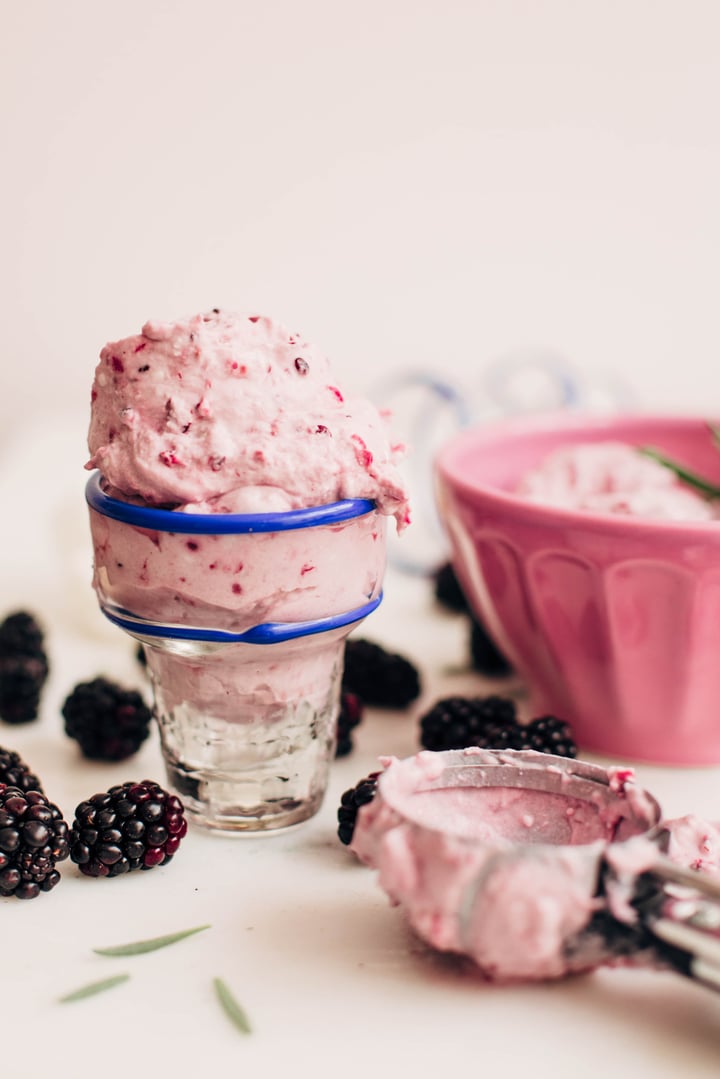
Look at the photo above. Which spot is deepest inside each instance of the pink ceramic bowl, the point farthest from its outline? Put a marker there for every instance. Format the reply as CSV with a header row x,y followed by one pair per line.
x,y
613,622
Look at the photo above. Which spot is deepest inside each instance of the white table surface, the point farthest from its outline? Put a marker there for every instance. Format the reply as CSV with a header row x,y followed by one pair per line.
x,y
332,980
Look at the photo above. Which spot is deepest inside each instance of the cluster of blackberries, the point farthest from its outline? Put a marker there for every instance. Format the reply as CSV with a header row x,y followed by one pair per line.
x,y
491,722
376,677
131,826
23,668
485,656
108,722
135,825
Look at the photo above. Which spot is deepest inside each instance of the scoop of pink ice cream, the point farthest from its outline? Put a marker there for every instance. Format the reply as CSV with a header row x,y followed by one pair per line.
x,y
505,875
612,477
234,413
508,875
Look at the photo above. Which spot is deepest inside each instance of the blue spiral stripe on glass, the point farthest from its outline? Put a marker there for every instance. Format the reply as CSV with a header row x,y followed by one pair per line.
x,y
264,633
215,524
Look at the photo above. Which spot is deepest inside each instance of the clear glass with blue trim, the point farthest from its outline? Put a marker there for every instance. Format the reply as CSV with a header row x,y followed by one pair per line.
x,y
243,618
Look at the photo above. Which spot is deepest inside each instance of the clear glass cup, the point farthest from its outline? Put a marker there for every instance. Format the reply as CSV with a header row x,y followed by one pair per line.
x,y
243,619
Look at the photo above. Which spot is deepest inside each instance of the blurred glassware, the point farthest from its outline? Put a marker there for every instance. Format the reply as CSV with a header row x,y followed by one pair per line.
x,y
430,407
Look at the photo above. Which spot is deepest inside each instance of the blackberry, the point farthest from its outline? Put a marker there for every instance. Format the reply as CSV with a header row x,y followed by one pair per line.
x,y
350,714
20,635
33,838
448,591
548,734
23,668
108,722
15,773
379,677
458,722
352,800
131,826
485,655
21,682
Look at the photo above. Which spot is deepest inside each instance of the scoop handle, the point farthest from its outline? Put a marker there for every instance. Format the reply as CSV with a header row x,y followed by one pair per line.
x,y
684,918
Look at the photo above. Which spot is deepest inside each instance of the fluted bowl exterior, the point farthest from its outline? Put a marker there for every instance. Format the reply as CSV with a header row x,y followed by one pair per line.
x,y
613,622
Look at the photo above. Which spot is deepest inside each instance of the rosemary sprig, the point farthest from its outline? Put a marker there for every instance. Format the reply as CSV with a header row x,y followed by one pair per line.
x,y
710,490
94,987
230,1006
140,947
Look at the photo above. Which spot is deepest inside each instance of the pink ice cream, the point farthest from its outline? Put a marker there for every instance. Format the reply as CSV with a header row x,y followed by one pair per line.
x,y
612,477
503,874
694,843
228,413
234,413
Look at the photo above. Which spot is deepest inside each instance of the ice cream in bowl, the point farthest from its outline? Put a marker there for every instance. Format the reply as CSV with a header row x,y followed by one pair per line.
x,y
238,508
596,568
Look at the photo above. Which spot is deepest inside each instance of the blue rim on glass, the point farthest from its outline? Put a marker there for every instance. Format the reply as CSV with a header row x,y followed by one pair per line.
x,y
264,633
214,524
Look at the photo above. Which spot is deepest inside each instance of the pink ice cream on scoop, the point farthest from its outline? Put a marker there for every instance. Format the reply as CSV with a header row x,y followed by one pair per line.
x,y
694,843
234,413
612,477
504,874
497,856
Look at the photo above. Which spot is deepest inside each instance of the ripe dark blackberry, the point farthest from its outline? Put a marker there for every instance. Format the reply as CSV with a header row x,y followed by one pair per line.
x,y
15,773
351,801
20,635
458,722
21,682
349,716
33,838
23,668
485,655
108,722
378,677
548,734
131,826
448,591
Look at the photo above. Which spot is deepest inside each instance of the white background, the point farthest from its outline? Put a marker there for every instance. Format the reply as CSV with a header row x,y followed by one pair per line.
x,y
414,186
410,183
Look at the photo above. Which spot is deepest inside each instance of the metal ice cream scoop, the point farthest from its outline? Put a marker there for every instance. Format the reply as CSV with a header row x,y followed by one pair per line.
x,y
641,906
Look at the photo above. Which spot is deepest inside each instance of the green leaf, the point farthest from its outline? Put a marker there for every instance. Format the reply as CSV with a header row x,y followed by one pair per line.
x,y
231,1007
93,988
710,490
139,947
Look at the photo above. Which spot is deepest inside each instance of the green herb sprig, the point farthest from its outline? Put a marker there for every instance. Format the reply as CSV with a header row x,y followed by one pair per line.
x,y
230,1006
94,987
685,475
140,947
